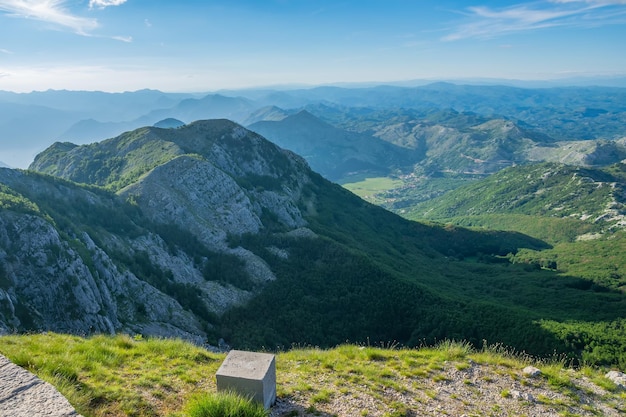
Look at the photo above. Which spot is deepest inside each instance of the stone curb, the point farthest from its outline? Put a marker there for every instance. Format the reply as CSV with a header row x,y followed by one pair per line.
x,y
22,394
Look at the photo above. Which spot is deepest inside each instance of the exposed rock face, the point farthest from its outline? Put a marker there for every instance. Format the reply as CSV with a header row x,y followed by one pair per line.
x,y
584,152
47,285
31,243
618,378
82,261
196,195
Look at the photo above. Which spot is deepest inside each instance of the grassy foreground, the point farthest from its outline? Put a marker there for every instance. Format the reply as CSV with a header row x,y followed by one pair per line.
x,y
125,376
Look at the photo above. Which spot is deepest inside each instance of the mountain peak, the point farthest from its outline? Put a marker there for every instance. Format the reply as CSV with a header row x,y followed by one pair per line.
x,y
267,113
232,147
308,120
169,123
305,114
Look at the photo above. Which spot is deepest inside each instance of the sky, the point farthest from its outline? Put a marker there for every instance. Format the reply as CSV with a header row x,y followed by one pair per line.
x,y
198,46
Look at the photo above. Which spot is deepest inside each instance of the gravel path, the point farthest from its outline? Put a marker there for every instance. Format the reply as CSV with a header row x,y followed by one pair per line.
x,y
22,394
471,391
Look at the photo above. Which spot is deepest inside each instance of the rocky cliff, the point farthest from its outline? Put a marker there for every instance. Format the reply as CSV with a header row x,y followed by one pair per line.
x,y
55,277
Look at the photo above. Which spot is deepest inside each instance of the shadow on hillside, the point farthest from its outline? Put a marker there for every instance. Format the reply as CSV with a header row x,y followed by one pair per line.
x,y
288,407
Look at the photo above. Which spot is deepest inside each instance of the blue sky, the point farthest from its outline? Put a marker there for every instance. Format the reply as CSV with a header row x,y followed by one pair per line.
x,y
125,45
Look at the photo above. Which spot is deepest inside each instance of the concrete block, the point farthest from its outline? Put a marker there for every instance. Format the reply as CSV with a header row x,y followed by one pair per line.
x,y
250,374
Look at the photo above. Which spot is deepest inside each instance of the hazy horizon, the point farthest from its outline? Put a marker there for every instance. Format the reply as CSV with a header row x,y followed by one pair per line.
x,y
585,81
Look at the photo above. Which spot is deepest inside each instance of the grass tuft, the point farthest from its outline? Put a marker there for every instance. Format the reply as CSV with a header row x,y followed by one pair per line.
x,y
223,405
454,350
322,397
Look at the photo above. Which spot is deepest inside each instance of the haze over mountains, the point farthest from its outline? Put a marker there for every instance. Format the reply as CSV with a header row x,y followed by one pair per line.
x,y
568,113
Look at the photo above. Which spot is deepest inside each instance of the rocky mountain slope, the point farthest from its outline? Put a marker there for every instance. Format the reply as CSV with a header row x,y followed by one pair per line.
x,y
183,197
593,195
582,153
55,277
344,144
209,231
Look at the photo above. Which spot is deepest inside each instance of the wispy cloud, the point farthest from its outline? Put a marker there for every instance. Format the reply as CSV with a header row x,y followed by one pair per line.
x,y
101,4
56,13
51,11
127,39
5,51
487,22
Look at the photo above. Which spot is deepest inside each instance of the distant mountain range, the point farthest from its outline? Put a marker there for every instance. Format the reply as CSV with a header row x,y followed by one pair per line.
x,y
30,122
580,81
422,143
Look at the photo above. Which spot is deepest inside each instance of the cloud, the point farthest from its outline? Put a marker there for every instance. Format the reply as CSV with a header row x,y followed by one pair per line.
x,y
5,51
127,39
101,4
51,11
487,22
55,12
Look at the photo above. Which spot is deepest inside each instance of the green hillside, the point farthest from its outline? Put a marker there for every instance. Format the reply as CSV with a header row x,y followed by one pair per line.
x,y
580,211
468,293
594,197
